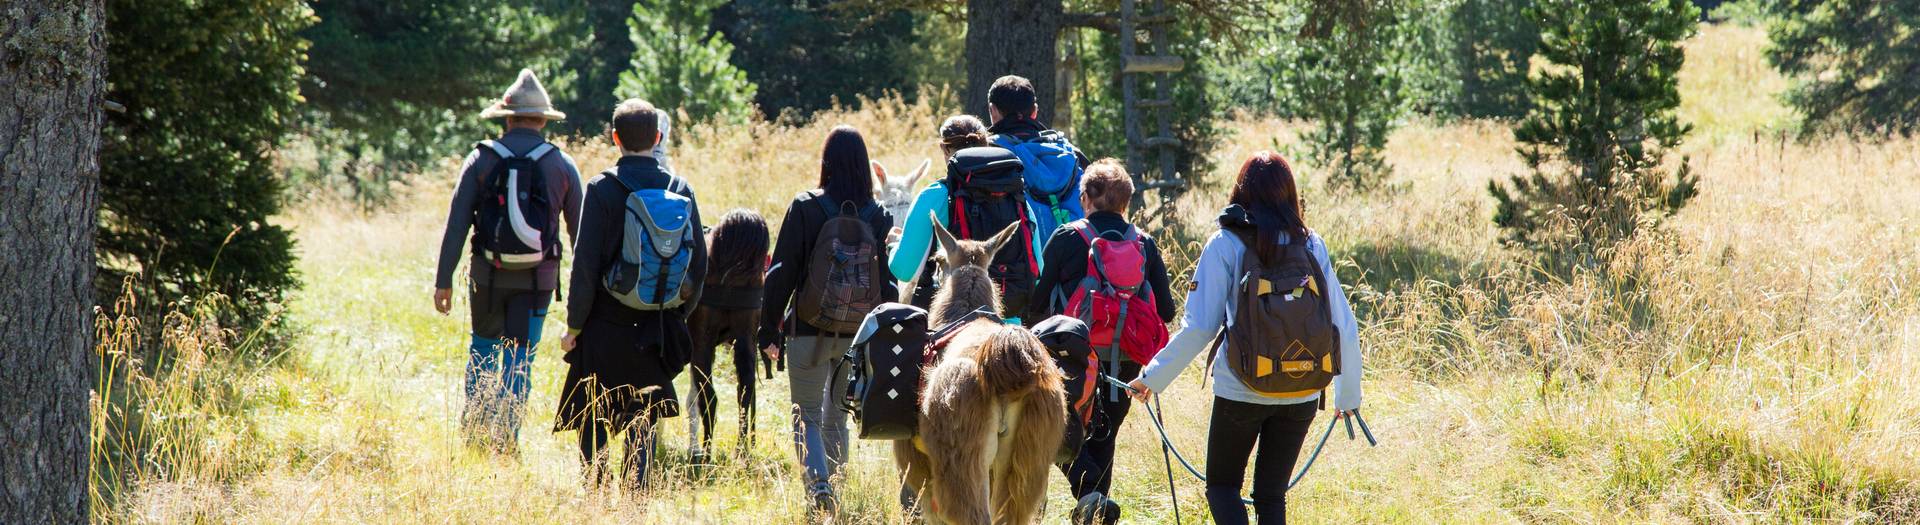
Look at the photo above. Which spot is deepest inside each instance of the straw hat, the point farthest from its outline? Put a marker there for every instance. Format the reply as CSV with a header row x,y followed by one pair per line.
x,y
525,98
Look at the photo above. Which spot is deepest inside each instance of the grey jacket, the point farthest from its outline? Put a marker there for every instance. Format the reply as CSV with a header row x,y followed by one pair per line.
x,y
565,190
1210,306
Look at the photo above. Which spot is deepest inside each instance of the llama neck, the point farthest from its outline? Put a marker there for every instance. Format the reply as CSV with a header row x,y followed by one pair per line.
x,y
966,289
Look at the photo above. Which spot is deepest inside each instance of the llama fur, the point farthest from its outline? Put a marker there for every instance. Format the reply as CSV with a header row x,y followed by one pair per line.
x,y
993,408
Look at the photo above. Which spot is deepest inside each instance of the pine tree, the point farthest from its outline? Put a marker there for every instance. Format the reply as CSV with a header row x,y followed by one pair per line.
x,y
1856,63
1347,77
681,65
1598,137
187,182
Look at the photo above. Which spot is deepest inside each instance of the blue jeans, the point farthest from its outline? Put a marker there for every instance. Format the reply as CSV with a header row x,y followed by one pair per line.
x,y
819,421
506,331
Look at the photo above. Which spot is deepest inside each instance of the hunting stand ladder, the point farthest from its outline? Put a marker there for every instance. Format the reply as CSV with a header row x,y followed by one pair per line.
x,y
1151,159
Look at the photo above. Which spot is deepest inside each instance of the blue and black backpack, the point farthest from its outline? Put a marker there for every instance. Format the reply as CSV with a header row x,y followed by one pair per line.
x,y
1051,167
655,247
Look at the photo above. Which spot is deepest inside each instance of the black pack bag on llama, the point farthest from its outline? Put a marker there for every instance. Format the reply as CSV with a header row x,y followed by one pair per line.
x,y
884,367
513,221
1066,341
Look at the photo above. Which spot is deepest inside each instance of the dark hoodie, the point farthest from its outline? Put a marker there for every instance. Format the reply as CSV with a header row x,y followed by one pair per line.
x,y
1066,264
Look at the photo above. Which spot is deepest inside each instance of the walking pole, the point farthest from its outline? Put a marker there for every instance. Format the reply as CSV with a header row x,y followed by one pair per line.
x,y
1166,457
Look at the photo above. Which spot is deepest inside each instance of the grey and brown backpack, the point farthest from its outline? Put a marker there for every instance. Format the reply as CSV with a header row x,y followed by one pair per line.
x,y
844,271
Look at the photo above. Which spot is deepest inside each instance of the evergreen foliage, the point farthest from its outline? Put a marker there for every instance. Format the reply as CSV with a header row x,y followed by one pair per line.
x,y
187,182
1604,120
401,79
681,65
1856,63
804,55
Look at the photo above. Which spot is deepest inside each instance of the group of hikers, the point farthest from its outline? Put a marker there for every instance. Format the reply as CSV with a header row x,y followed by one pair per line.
x,y
653,292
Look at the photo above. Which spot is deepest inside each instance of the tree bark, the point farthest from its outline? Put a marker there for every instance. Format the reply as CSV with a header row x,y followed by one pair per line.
x,y
1012,37
53,62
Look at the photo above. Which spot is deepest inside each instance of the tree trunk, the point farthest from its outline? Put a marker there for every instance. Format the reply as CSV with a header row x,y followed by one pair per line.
x,y
53,62
1012,37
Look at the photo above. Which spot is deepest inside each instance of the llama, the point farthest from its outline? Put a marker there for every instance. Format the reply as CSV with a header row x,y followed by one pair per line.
x,y
728,313
992,411
896,193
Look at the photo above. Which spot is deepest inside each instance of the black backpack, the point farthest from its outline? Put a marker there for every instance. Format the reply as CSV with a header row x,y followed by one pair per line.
x,y
1067,342
985,193
514,226
883,378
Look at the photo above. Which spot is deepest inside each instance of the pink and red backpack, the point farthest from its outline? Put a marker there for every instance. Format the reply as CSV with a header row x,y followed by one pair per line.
x,y
1114,296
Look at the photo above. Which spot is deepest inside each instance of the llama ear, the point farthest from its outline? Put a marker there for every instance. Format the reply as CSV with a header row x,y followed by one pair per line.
x,y
913,179
947,243
1000,239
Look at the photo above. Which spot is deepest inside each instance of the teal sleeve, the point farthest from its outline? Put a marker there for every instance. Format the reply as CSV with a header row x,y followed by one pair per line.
x,y
916,232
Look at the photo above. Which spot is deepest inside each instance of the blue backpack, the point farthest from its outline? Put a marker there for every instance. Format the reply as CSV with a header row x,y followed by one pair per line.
x,y
655,248
1052,172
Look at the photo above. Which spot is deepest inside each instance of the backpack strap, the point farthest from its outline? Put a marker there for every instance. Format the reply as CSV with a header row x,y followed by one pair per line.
x,y
496,147
540,151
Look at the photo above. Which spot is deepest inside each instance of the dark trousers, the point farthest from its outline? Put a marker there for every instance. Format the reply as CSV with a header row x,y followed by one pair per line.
x,y
594,436
1279,430
711,328
1092,470
506,327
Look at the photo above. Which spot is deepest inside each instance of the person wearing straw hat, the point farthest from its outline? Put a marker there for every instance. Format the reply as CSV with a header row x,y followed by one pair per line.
x,y
511,195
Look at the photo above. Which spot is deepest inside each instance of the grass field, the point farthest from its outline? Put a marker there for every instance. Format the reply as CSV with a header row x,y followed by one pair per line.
x,y
1760,368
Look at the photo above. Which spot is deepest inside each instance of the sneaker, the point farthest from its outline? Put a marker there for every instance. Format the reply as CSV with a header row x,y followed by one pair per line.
x,y
1095,509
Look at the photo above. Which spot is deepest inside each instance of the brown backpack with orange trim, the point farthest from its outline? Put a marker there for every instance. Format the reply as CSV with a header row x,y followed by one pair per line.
x,y
1282,343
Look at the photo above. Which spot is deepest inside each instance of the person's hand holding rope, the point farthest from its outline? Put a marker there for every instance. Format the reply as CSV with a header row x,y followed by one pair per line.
x,y
1138,390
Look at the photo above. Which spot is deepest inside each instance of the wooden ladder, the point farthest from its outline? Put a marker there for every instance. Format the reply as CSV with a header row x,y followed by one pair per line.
x,y
1151,159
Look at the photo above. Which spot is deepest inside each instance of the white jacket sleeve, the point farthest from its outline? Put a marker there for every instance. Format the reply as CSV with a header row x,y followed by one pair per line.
x,y
1206,312
1346,386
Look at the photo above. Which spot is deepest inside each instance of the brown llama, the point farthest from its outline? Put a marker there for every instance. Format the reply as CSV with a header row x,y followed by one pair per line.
x,y
992,411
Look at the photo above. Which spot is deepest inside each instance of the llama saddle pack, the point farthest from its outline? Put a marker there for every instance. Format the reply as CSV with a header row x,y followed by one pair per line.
x,y
894,347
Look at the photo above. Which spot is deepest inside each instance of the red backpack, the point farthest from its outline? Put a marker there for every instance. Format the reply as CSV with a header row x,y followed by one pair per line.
x,y
1114,296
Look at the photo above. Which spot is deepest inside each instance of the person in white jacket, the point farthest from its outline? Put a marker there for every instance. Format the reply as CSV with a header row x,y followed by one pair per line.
x,y
1265,198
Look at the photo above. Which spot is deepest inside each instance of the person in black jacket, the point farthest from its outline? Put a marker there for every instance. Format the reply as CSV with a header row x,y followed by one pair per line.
x,y
1105,191
623,361
820,422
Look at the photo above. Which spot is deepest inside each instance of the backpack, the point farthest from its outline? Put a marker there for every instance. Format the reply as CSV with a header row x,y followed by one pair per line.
x,y
514,222
985,189
844,272
885,365
655,247
1066,340
1052,173
883,382
1114,300
1282,343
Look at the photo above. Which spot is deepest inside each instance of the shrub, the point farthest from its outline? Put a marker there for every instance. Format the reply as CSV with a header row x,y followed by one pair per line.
x,y
1597,140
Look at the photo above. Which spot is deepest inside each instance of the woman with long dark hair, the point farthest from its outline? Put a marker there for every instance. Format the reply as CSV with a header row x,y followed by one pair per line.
x,y
815,250
1267,278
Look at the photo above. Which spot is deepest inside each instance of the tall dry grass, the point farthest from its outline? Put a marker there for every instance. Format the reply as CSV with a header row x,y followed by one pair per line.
x,y
1748,361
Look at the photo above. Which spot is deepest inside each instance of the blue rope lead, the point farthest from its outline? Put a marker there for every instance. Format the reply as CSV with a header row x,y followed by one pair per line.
x,y
1167,443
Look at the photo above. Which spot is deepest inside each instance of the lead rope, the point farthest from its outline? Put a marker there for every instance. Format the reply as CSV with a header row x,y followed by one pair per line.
x,y
1167,443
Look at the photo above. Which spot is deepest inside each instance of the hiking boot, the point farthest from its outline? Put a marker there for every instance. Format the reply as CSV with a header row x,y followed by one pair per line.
x,y
1095,509
824,503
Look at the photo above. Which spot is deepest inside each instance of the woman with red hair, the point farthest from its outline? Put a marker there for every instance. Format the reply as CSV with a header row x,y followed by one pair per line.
x,y
1290,335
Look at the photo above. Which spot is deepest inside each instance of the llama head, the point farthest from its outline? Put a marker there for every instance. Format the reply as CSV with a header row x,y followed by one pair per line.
x,y
957,253
896,193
